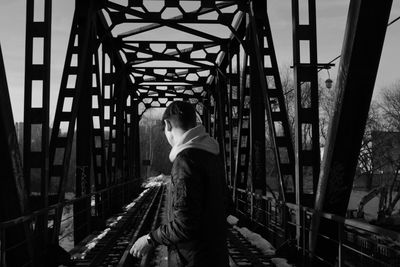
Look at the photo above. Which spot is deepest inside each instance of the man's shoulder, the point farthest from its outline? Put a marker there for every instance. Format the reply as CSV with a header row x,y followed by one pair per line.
x,y
193,161
193,153
194,158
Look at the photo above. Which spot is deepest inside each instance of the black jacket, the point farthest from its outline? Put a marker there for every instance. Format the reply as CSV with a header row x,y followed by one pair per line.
x,y
196,229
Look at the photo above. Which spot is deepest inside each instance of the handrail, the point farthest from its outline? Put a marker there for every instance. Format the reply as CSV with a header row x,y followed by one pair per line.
x,y
356,240
350,222
373,229
36,213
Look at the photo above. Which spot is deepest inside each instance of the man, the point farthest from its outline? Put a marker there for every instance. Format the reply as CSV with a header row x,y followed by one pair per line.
x,y
196,229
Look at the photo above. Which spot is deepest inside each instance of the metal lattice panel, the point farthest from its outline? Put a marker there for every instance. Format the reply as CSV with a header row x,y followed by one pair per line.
x,y
181,64
127,56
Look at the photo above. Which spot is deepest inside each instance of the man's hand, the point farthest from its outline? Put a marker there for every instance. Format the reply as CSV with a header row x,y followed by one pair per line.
x,y
141,246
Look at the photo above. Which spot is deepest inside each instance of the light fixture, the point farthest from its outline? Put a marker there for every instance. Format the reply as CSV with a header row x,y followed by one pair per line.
x,y
328,82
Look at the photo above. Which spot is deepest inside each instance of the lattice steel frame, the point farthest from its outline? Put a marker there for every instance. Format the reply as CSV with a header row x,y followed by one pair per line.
x,y
306,92
355,85
228,96
36,116
209,85
14,199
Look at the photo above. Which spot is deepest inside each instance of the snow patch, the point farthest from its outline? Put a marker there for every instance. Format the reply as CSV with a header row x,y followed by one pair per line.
x,y
281,262
257,240
111,223
133,203
232,220
156,181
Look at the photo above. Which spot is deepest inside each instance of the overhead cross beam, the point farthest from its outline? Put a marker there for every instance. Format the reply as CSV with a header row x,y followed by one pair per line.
x,y
160,56
156,25
168,23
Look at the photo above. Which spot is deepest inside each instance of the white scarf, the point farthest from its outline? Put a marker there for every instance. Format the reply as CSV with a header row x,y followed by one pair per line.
x,y
196,137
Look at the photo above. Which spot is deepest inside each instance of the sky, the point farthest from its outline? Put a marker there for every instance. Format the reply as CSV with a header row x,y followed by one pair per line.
x,y
331,21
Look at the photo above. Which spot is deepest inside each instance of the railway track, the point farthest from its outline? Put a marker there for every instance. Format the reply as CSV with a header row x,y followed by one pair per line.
x,y
111,247
242,253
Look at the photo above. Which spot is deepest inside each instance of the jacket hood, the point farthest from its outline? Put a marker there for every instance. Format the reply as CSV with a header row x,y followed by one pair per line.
x,y
196,137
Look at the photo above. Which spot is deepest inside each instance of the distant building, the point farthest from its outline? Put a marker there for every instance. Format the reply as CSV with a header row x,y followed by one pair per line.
x,y
384,160
386,152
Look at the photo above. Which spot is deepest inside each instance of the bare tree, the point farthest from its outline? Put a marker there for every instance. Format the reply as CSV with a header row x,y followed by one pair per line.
x,y
388,153
380,151
391,106
326,98
367,167
325,101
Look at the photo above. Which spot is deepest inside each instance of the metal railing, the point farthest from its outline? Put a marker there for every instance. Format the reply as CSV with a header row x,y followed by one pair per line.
x,y
99,205
358,243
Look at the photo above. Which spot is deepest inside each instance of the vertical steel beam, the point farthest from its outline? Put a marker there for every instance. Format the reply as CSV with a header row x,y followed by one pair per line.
x,y
306,91
257,109
112,63
120,107
243,143
136,138
240,95
266,67
232,105
98,142
307,150
226,69
129,128
121,145
361,52
225,75
82,209
116,86
220,92
37,83
127,166
127,135
240,185
13,195
233,89
36,116
271,92
61,144
108,91
235,73
213,115
59,162
85,59
206,114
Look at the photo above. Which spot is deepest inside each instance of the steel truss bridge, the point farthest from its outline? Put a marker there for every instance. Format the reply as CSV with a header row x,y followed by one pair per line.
x,y
220,56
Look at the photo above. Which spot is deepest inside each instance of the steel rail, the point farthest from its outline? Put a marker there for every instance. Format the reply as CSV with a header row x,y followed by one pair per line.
x,y
129,232
150,219
109,250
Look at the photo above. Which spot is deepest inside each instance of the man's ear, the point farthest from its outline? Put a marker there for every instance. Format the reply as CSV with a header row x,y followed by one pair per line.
x,y
168,125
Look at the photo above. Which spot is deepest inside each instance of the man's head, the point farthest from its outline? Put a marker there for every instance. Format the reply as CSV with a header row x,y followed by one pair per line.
x,y
178,118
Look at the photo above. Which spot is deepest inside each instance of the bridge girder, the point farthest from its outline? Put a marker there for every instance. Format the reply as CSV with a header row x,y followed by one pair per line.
x,y
219,56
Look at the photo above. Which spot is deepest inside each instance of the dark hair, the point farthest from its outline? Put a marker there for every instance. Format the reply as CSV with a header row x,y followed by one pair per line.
x,y
180,114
